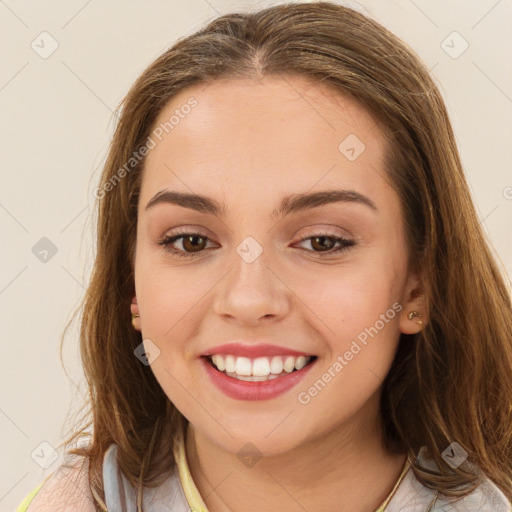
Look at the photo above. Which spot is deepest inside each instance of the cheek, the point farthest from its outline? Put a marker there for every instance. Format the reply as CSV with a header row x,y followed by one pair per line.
x,y
349,298
169,299
359,325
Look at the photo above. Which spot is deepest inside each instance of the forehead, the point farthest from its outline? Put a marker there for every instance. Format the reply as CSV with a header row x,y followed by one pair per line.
x,y
249,137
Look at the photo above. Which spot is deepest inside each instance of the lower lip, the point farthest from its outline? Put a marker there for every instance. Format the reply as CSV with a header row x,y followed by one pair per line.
x,y
246,390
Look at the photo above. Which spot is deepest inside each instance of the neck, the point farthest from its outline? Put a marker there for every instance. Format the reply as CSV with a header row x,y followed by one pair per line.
x,y
343,470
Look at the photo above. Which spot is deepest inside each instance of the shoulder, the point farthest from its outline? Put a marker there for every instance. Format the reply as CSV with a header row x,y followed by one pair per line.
x,y
66,489
487,497
413,496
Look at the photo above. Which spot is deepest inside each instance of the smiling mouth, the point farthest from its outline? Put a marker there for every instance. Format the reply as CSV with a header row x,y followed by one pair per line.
x,y
258,369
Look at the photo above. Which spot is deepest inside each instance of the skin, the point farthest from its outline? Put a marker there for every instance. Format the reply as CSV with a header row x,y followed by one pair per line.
x,y
247,144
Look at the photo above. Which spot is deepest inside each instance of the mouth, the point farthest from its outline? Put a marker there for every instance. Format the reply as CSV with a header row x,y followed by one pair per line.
x,y
258,369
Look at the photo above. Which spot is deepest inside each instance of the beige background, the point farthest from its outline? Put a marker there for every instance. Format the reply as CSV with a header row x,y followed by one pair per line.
x,y
56,124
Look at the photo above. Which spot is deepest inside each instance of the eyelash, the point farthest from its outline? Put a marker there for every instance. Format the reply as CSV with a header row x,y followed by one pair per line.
x,y
168,240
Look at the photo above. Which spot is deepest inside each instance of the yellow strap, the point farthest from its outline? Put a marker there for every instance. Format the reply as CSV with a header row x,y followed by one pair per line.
x,y
30,496
383,506
192,494
28,499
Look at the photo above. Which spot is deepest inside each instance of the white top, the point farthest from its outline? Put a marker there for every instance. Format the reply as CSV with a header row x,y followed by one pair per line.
x,y
67,490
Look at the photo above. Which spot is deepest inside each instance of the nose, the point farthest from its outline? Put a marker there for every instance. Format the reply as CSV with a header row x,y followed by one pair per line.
x,y
252,292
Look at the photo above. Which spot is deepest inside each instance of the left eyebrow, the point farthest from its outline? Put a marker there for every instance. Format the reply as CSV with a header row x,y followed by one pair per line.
x,y
289,204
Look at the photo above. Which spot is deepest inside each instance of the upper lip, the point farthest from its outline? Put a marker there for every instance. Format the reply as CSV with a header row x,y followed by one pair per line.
x,y
252,350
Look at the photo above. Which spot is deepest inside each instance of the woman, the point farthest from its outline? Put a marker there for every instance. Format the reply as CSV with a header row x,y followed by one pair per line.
x,y
317,321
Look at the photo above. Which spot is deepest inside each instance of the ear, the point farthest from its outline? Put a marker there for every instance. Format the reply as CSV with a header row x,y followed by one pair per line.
x,y
135,314
413,315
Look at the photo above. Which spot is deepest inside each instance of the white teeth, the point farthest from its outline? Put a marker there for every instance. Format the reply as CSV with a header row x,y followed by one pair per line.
x,y
229,363
289,364
243,366
250,378
218,361
259,369
300,362
276,366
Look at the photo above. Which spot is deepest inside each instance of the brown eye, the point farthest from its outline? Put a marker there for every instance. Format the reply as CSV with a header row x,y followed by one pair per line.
x,y
191,243
322,242
326,245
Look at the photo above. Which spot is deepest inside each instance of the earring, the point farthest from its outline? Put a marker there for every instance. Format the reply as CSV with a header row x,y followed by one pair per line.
x,y
413,314
135,313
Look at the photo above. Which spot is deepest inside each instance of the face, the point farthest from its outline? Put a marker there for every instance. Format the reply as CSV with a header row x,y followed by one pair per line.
x,y
267,274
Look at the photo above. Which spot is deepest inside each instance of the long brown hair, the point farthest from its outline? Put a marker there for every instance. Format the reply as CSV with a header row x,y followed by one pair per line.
x,y
449,383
